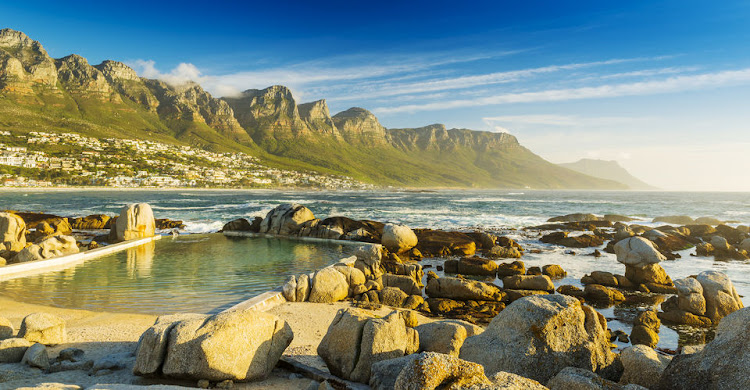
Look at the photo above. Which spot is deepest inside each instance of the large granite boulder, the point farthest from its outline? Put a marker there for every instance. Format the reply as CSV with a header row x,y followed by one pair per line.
x,y
574,378
152,345
50,247
445,336
575,217
463,289
135,221
642,366
236,345
537,336
722,364
286,219
442,243
12,232
356,340
398,238
690,296
431,370
43,328
720,294
637,252
328,285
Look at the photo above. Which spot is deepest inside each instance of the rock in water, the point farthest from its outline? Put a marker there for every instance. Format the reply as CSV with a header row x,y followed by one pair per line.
x,y
12,232
236,345
637,251
537,336
720,294
462,289
43,328
54,246
646,329
724,363
398,238
356,340
328,285
431,370
642,366
135,221
286,219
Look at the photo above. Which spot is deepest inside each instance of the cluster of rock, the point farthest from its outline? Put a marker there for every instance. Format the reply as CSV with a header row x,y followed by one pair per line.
x,y
37,331
701,301
52,236
235,345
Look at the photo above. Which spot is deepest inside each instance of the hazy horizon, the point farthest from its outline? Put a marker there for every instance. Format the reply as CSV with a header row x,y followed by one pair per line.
x,y
658,87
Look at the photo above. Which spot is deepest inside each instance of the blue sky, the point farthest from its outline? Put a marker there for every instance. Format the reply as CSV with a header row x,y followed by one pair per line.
x,y
659,86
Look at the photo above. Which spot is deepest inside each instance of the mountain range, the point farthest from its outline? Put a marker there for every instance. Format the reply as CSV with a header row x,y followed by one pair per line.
x,y
610,170
38,92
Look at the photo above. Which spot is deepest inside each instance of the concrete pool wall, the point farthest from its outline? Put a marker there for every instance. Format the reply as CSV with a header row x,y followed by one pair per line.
x,y
20,270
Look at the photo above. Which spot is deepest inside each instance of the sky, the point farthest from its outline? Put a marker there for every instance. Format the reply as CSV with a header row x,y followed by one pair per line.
x,y
662,87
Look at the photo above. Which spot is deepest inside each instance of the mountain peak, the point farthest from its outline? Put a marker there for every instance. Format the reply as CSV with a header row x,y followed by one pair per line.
x,y
115,70
358,125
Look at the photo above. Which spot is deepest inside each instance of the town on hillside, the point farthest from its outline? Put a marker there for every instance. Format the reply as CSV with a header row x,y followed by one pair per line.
x,y
42,159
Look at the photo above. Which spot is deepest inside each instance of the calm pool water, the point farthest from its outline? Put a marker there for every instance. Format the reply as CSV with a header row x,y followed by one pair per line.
x,y
202,273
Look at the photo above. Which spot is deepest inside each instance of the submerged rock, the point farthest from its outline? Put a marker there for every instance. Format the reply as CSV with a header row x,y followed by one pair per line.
x,y
538,336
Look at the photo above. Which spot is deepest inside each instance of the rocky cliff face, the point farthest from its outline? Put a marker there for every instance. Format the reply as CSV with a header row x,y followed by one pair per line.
x,y
318,118
24,64
77,76
436,137
359,126
126,82
269,113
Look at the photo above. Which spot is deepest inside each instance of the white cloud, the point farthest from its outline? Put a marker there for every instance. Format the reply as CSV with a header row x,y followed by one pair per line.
x,y
672,84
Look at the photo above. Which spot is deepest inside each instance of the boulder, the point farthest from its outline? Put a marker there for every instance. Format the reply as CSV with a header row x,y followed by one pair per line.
x,y
745,245
690,296
236,345
356,340
571,290
383,374
407,284
135,221
49,247
289,289
722,364
707,221
528,282
720,243
601,277
554,271
509,269
617,218
237,225
12,232
462,289
650,273
642,366
6,329
573,378
576,217
44,328
538,336
445,336
507,381
398,238
646,329
91,222
675,219
302,291
13,349
328,285
720,294
286,219
438,243
392,296
36,356
637,252
431,370
501,252
602,294
152,345
476,266
352,275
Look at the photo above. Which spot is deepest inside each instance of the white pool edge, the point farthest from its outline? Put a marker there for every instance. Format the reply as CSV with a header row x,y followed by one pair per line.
x,y
269,299
20,270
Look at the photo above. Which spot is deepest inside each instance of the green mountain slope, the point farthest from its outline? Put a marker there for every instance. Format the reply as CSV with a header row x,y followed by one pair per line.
x,y
68,94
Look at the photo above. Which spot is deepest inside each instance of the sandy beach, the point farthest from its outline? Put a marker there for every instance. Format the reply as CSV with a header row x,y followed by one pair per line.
x,y
100,334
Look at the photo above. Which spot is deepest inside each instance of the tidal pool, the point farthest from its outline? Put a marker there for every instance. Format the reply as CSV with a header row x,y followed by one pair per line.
x,y
201,273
